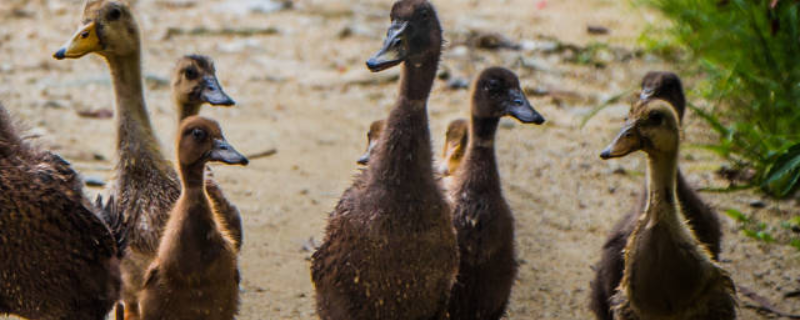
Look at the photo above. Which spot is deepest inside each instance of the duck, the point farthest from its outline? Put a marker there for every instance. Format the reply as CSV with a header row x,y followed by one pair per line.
x,y
668,273
195,83
390,249
194,275
375,130
145,185
701,218
455,146
483,219
61,258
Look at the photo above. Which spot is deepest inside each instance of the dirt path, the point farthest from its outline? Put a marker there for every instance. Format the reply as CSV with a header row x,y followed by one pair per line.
x,y
302,88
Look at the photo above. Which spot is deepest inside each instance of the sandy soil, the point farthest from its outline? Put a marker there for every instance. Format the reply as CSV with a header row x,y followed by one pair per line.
x,y
304,90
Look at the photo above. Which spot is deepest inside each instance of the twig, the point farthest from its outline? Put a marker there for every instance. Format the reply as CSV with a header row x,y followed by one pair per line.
x,y
262,154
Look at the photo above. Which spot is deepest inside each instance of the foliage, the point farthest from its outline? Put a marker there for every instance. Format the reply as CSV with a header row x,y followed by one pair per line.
x,y
749,53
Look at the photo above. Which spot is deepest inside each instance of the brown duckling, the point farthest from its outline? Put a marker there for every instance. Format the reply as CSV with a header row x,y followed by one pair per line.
x,y
375,131
701,218
145,185
455,146
194,275
668,274
482,218
60,261
390,249
194,83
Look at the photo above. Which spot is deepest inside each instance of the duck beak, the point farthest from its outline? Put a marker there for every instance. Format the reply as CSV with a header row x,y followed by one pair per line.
x,y
519,107
393,51
225,153
364,159
213,94
646,93
627,141
83,42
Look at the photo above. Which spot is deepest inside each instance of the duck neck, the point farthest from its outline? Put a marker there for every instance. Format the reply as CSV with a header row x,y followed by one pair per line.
x,y
661,176
480,160
186,109
135,137
404,155
192,176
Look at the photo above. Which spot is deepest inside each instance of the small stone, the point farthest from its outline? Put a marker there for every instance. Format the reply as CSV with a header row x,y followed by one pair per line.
x,y
94,182
758,204
457,83
597,30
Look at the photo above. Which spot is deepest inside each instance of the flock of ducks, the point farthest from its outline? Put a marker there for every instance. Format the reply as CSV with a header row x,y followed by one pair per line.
x,y
408,240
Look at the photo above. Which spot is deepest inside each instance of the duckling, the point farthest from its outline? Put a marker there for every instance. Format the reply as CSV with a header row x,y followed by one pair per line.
x,y
194,83
482,218
455,146
668,274
375,131
701,218
194,274
390,247
60,260
145,185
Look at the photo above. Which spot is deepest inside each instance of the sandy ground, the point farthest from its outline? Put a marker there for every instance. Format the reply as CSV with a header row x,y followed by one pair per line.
x,y
304,90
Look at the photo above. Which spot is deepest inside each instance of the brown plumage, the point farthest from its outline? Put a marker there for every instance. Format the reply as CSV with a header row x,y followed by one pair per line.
x,y
390,249
701,218
482,218
145,185
59,259
668,274
194,83
194,275
455,146
373,135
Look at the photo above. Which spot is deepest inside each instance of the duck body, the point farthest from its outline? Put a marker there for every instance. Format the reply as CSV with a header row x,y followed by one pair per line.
x,y
195,274
700,218
668,274
482,218
390,248
60,260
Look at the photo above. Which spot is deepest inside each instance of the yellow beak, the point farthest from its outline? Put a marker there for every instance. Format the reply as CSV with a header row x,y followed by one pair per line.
x,y
84,41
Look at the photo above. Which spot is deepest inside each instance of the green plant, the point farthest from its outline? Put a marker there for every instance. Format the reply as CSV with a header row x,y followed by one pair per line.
x,y
749,53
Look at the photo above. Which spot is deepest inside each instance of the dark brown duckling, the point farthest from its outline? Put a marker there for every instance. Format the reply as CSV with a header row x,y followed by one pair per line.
x,y
145,186
668,273
390,249
59,259
483,220
194,275
194,83
701,218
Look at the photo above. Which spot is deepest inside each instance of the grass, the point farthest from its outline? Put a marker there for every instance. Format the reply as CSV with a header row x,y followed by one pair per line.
x,y
748,54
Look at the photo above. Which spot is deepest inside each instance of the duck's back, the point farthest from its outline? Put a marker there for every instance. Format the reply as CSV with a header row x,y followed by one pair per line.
x,y
59,258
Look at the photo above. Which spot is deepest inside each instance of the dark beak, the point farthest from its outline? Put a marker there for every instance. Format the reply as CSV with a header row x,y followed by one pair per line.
x,y
393,51
519,107
213,94
626,142
225,153
364,159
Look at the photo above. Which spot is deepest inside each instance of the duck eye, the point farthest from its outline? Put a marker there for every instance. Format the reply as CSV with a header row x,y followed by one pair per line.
x,y
199,134
114,14
425,14
190,73
493,85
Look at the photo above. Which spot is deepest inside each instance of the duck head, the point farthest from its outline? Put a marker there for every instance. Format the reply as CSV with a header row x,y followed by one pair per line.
x,y
497,93
652,126
414,35
194,83
201,141
374,133
107,28
455,146
666,86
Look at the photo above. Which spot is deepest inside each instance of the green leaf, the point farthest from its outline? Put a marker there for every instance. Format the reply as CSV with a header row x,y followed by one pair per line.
x,y
737,215
784,174
795,243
